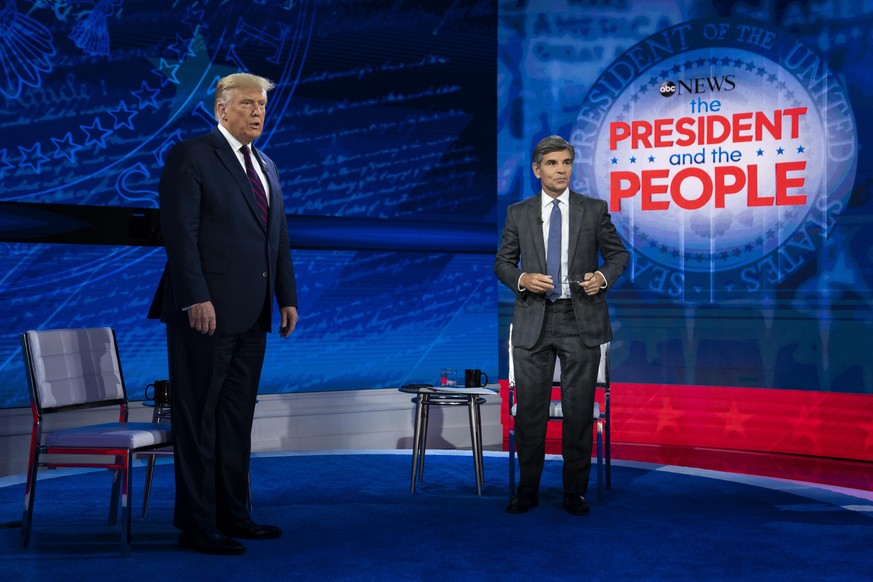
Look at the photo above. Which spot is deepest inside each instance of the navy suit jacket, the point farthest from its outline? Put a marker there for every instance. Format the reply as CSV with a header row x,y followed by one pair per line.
x,y
217,248
522,250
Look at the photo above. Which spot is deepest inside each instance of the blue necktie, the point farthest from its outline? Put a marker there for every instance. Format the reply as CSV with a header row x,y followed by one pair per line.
x,y
553,252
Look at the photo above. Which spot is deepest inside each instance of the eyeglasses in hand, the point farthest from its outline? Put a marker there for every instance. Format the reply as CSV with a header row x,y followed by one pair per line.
x,y
574,280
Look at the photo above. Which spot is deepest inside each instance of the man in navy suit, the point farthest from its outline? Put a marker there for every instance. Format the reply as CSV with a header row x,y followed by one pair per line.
x,y
560,312
226,236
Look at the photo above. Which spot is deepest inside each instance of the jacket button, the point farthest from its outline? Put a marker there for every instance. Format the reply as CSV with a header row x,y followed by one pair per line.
x,y
264,274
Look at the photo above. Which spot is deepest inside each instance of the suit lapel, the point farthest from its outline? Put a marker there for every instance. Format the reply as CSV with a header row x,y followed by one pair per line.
x,y
535,222
228,158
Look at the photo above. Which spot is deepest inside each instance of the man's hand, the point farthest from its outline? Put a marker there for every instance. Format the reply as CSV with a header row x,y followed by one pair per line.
x,y
289,321
592,283
536,282
202,317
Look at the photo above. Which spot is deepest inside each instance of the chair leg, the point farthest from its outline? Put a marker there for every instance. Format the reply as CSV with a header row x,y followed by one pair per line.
x,y
126,491
599,461
29,496
608,439
511,463
147,486
116,487
249,500
608,457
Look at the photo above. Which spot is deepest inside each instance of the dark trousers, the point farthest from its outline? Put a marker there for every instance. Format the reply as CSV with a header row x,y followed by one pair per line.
x,y
214,386
534,370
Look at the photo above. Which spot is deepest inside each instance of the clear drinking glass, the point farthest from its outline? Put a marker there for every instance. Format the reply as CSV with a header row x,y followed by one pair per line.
x,y
449,377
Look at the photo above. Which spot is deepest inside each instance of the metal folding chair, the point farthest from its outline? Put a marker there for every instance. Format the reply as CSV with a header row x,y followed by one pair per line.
x,y
76,369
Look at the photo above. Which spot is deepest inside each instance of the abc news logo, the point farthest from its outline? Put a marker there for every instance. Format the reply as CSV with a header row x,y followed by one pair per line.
x,y
698,85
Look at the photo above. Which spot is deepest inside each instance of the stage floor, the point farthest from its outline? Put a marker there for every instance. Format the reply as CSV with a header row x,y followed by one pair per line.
x,y
348,515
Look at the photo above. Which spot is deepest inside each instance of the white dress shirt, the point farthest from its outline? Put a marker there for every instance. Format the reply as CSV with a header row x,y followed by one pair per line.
x,y
235,145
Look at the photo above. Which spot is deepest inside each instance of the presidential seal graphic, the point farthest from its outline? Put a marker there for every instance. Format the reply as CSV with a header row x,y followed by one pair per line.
x,y
724,150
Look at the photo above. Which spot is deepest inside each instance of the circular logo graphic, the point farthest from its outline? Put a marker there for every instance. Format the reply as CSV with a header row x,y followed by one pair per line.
x,y
730,185
668,88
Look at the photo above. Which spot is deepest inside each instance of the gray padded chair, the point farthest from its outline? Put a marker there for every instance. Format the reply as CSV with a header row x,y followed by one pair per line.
x,y
601,418
75,369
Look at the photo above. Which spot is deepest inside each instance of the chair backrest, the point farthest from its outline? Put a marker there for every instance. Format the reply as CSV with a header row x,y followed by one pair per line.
x,y
72,368
602,371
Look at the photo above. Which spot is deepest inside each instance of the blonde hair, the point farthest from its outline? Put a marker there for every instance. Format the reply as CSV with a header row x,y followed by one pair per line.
x,y
238,81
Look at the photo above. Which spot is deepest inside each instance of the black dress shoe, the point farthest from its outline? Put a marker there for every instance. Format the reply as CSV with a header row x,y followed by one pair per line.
x,y
521,504
576,504
251,531
210,541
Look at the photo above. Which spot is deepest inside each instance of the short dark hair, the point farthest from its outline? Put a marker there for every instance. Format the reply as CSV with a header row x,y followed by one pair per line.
x,y
553,143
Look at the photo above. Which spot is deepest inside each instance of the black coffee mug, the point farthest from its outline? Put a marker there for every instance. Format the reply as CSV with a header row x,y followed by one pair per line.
x,y
161,392
473,378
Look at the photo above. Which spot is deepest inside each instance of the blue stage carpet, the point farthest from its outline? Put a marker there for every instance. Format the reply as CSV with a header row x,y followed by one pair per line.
x,y
351,517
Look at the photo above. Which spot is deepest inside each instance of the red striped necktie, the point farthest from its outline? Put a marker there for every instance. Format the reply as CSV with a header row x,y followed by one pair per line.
x,y
257,186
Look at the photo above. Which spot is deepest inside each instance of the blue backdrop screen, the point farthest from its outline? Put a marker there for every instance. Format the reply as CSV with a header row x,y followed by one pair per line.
x,y
382,124
348,340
